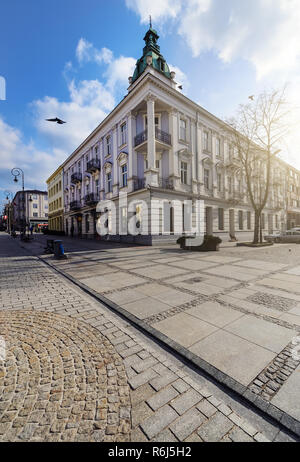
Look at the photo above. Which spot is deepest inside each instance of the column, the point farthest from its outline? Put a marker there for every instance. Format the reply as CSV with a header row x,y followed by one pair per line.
x,y
173,152
132,158
151,173
115,161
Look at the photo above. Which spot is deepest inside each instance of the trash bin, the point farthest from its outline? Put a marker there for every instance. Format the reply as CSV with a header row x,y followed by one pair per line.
x,y
59,250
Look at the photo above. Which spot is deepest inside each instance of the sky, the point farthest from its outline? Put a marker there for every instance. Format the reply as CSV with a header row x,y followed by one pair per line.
x,y
72,59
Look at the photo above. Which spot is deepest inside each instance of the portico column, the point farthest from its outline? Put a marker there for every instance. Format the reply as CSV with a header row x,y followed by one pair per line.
x,y
131,151
151,172
115,161
173,153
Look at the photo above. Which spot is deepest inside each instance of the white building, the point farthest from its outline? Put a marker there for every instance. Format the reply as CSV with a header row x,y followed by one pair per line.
x,y
158,145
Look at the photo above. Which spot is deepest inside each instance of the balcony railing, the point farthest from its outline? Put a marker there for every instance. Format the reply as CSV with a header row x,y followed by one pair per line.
x,y
76,177
165,183
93,165
139,184
159,135
75,205
90,199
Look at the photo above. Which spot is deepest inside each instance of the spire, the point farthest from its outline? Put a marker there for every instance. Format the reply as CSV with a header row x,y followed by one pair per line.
x,y
151,55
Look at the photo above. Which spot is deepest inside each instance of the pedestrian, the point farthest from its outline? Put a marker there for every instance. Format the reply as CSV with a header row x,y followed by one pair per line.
x,y
31,229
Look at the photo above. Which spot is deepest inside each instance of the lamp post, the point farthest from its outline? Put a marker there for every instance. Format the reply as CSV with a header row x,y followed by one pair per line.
x,y
9,197
16,172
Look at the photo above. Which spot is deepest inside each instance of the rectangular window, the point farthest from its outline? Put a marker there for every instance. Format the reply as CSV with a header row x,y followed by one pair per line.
x,y
183,129
218,147
109,182
249,220
108,145
221,218
157,164
183,172
219,179
97,189
206,178
35,206
124,175
241,220
229,184
205,141
35,214
123,134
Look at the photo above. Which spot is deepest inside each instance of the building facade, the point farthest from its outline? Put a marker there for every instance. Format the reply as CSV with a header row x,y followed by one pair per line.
x,y
56,201
161,148
31,208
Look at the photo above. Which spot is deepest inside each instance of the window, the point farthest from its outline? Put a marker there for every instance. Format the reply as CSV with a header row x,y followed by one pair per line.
x,y
229,184
182,134
46,205
248,220
206,178
109,182
156,121
276,221
124,175
79,166
34,196
35,214
241,220
219,179
218,147
97,188
221,218
205,141
157,164
46,214
123,134
108,145
34,206
183,172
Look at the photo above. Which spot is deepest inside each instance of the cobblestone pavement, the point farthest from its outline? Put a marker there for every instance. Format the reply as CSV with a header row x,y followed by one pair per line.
x,y
75,371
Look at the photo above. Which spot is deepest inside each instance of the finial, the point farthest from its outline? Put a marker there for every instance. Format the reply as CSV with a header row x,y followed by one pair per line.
x,y
150,21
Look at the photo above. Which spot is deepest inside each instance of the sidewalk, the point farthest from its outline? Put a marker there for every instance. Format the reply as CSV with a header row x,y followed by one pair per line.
x,y
76,372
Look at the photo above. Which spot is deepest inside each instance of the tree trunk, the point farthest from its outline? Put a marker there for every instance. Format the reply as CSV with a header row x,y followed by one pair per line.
x,y
256,227
260,230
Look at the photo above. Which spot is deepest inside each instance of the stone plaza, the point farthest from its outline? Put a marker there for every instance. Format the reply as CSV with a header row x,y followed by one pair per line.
x,y
78,369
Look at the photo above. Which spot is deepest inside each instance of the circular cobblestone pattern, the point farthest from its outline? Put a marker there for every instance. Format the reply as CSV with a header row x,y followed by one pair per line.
x,y
60,380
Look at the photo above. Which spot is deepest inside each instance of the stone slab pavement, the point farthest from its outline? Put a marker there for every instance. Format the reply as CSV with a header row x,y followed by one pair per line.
x,y
168,400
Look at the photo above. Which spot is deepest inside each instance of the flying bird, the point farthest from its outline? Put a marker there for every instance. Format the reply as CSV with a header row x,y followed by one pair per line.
x,y
251,97
180,87
59,121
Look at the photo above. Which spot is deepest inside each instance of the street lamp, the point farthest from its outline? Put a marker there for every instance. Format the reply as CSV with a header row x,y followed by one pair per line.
x,y
16,172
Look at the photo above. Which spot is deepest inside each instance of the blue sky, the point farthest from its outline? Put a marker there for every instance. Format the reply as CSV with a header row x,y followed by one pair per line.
x,y
72,59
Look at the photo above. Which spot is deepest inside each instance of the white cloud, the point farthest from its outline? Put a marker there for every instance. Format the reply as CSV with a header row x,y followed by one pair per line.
x,y
119,70
86,52
35,163
160,10
180,77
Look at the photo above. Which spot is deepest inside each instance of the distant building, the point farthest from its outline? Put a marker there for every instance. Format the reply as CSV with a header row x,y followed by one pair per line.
x,y
158,145
30,208
56,201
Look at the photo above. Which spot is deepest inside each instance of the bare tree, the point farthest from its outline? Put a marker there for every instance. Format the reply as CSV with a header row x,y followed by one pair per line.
x,y
256,133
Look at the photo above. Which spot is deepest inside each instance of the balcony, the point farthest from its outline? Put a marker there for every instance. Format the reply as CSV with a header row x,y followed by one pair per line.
x,y
139,184
93,165
75,205
76,177
160,135
165,183
90,199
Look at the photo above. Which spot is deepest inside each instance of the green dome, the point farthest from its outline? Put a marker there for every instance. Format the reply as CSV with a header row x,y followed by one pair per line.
x,y
151,49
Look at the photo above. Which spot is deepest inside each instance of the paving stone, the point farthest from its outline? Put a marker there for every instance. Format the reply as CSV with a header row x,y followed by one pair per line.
x,y
187,424
159,382
186,401
142,378
157,422
215,428
162,397
166,437
207,408
180,386
239,436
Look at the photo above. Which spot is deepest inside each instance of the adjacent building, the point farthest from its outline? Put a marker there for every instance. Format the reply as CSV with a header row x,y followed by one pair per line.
x,y
30,208
56,201
158,146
